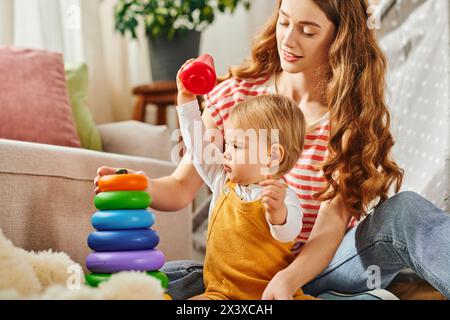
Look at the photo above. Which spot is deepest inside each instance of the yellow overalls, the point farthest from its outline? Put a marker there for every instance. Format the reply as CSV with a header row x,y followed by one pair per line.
x,y
241,254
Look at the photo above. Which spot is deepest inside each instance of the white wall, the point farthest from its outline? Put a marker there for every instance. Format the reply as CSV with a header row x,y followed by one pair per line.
x,y
230,37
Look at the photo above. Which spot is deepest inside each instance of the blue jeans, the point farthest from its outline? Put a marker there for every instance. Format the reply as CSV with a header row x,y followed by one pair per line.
x,y
405,231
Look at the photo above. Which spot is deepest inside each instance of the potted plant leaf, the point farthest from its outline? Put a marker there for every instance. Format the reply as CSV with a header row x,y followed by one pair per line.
x,y
173,28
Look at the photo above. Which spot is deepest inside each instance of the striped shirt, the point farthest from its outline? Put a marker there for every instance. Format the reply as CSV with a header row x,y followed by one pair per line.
x,y
306,178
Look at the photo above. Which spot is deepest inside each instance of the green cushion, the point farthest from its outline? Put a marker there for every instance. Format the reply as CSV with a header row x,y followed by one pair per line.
x,y
77,86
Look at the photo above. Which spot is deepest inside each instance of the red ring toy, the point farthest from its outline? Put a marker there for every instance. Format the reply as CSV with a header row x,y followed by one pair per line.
x,y
123,182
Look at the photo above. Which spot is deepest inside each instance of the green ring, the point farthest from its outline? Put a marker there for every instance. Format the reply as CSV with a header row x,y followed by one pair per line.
x,y
94,279
120,200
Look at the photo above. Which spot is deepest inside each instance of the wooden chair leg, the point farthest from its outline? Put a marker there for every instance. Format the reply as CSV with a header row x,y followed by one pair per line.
x,y
162,115
139,109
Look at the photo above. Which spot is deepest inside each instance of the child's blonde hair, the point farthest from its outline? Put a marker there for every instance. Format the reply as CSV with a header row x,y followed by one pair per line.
x,y
274,112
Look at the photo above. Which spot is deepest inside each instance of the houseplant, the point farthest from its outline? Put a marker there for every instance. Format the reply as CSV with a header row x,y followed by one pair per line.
x,y
173,28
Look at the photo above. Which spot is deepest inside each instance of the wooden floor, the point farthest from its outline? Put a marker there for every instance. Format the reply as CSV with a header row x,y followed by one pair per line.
x,y
418,290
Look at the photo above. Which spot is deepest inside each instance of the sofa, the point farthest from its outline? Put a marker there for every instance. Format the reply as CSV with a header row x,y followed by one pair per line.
x,y
47,198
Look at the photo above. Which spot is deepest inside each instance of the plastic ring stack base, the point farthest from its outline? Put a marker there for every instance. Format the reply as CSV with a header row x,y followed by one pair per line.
x,y
94,279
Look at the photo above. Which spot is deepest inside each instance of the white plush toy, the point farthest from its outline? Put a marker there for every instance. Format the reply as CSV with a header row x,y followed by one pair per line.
x,y
44,275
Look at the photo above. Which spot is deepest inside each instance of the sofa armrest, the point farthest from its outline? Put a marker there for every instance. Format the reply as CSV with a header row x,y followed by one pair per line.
x,y
136,139
47,198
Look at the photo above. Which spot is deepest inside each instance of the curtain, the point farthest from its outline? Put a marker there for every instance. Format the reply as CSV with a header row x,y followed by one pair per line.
x,y
83,30
415,37
6,24
115,64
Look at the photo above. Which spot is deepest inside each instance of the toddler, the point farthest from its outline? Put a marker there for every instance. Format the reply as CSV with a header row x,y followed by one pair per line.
x,y
254,217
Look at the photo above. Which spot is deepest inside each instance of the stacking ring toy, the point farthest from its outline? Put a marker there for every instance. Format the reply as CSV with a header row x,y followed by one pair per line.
x,y
94,279
122,219
114,200
123,240
111,262
123,182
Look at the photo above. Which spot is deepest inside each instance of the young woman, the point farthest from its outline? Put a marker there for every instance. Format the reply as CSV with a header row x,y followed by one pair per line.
x,y
322,54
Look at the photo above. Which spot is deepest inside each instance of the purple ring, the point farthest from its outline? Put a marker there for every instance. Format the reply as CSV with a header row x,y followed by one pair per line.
x,y
110,262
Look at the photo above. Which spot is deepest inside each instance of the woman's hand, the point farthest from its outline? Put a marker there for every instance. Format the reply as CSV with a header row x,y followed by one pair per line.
x,y
106,171
184,96
273,197
280,287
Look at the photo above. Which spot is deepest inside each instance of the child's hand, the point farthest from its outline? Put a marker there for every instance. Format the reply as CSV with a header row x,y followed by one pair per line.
x,y
273,197
184,96
279,288
106,171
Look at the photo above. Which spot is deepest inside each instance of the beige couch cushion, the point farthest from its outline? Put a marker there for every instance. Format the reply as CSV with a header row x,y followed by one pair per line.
x,y
137,139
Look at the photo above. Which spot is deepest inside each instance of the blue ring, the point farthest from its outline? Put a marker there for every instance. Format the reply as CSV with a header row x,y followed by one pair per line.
x,y
122,219
123,240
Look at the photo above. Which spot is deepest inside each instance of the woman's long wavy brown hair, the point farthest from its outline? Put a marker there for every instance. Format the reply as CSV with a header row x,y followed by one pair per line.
x,y
359,166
